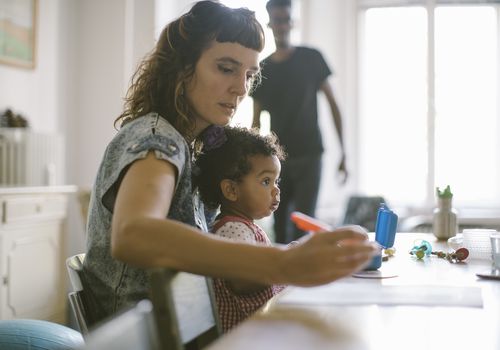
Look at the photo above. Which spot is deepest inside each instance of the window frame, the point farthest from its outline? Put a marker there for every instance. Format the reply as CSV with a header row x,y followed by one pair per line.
x,y
429,6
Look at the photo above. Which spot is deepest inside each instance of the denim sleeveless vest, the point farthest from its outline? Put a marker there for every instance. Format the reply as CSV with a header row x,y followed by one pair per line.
x,y
114,284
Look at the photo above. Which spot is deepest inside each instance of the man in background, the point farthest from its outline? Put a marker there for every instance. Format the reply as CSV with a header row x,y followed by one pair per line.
x,y
291,77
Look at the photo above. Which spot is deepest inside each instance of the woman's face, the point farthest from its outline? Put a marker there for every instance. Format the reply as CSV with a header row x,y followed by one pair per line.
x,y
222,78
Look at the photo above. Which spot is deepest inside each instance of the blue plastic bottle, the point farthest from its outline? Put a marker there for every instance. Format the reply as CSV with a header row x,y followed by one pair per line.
x,y
385,232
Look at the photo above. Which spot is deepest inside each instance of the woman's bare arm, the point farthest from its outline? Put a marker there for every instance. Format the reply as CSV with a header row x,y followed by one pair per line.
x,y
143,237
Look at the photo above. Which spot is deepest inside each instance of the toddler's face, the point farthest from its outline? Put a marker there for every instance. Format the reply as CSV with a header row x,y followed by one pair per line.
x,y
258,191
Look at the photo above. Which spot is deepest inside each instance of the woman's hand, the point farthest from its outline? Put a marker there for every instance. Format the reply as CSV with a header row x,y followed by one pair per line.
x,y
326,256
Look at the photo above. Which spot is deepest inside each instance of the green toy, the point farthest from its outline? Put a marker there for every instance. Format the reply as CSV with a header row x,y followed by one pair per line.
x,y
444,194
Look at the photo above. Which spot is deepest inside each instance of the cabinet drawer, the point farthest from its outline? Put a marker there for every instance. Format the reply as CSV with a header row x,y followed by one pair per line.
x,y
21,208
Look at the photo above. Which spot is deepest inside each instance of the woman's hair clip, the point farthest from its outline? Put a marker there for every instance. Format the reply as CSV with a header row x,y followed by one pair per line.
x,y
213,137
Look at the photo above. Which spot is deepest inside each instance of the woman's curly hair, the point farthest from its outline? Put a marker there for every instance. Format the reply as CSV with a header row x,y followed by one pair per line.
x,y
158,83
231,161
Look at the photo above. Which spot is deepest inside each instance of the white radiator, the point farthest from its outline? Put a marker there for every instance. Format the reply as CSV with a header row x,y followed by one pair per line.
x,y
31,159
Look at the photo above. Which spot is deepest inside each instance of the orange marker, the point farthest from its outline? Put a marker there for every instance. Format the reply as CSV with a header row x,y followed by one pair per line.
x,y
307,223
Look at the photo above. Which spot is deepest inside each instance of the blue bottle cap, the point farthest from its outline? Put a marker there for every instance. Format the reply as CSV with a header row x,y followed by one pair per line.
x,y
385,228
375,263
385,233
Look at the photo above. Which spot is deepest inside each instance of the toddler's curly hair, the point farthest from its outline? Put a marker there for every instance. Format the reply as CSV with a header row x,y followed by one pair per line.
x,y
230,161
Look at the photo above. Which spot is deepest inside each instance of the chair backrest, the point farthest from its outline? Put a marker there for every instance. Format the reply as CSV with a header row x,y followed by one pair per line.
x,y
184,309
75,300
74,264
362,210
81,300
134,329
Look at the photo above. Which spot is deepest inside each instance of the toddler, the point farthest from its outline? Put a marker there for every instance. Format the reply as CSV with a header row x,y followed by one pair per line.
x,y
238,173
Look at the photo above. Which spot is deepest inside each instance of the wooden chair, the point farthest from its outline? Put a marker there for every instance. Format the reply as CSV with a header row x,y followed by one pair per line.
x,y
184,309
82,302
134,329
180,315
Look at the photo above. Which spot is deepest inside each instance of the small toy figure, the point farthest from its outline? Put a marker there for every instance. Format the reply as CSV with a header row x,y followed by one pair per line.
x,y
454,257
421,250
424,249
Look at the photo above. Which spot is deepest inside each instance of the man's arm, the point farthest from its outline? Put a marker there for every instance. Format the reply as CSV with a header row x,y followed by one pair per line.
x,y
337,120
257,108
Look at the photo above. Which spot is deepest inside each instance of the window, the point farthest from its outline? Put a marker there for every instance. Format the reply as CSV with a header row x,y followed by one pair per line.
x,y
428,101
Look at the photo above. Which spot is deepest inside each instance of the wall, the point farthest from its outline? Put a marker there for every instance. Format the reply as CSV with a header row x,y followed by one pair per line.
x,y
86,53
110,38
33,93
330,26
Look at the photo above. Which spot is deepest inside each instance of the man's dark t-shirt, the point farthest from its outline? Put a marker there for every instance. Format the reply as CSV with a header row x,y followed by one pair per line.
x,y
288,92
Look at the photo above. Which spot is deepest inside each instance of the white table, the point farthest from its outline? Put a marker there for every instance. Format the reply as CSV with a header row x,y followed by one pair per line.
x,y
316,324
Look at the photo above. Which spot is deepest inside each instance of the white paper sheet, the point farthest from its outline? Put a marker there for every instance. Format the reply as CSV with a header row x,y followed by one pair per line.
x,y
366,294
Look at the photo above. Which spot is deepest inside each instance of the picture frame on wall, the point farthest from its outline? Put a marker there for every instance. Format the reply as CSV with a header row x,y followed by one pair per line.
x,y
18,19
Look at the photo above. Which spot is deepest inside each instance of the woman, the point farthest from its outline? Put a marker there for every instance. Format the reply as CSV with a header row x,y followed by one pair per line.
x,y
144,212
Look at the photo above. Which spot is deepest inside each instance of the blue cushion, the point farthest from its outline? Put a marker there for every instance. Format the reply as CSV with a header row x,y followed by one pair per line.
x,y
37,335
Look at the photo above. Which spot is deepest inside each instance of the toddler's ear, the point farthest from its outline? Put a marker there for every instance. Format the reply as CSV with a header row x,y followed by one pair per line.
x,y
229,191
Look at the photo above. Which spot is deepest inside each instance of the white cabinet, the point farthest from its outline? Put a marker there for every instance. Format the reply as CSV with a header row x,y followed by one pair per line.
x,y
32,253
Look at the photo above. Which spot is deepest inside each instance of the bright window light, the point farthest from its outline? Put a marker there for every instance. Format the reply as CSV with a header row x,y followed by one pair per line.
x,y
466,134
393,134
403,101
